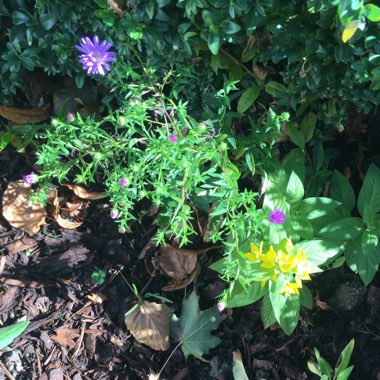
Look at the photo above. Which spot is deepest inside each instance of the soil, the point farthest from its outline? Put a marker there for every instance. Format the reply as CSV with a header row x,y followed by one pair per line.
x,y
47,279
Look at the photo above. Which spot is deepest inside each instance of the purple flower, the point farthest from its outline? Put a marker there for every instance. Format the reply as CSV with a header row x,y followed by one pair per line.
x,y
277,216
96,56
70,116
173,138
123,182
114,214
220,306
30,179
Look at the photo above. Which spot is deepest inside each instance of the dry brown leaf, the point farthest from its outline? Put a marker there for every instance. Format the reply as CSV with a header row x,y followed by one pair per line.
x,y
115,7
67,223
176,264
17,211
21,245
149,324
25,116
176,283
82,193
65,337
97,297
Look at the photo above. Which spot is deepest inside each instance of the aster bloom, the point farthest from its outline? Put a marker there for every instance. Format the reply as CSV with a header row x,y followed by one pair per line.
x,y
113,214
173,138
123,182
220,306
30,179
277,216
70,116
95,55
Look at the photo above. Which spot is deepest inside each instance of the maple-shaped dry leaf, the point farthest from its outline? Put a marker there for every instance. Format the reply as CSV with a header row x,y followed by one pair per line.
x,y
175,263
82,193
16,209
149,324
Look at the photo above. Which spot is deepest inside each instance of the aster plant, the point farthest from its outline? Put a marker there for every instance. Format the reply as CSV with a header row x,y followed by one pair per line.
x,y
96,57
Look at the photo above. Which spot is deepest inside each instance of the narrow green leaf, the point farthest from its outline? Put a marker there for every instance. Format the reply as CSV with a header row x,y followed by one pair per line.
x,y
313,368
149,8
10,333
344,375
248,98
323,364
344,358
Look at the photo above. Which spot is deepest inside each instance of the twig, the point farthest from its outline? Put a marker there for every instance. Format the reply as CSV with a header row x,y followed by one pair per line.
x,y
7,373
80,340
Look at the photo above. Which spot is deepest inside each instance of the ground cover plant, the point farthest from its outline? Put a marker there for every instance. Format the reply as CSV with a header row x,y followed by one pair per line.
x,y
230,148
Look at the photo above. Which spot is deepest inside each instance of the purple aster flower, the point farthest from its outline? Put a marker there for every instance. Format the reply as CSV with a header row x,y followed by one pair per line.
x,y
173,138
277,216
220,306
30,179
70,116
96,56
114,214
123,182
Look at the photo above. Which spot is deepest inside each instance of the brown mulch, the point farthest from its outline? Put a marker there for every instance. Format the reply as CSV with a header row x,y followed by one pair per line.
x,y
47,279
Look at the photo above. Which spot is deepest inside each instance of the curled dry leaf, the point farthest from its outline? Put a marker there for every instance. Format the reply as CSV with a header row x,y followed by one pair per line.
x,y
97,297
25,116
65,223
82,193
149,324
16,210
176,283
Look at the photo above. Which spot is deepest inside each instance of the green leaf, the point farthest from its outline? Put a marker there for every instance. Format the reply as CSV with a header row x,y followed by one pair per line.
x,y
317,207
308,125
10,333
267,314
370,191
323,364
295,161
295,135
5,139
294,190
193,328
313,368
238,369
19,17
241,297
47,21
342,190
306,297
372,12
276,89
248,98
344,358
301,227
230,27
319,251
149,8
345,229
367,256
350,30
214,42
344,375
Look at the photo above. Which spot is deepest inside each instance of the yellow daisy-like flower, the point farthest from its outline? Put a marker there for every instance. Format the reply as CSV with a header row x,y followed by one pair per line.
x,y
269,259
286,262
255,253
291,288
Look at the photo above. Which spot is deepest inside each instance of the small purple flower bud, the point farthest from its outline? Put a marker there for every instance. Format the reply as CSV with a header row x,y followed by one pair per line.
x,y
173,138
277,216
30,179
70,116
122,230
220,306
29,204
114,214
124,182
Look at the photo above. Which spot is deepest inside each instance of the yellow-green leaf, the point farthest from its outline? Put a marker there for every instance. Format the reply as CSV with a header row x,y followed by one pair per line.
x,y
350,30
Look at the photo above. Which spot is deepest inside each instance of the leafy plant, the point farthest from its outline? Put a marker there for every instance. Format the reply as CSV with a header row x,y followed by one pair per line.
x,y
323,369
10,333
98,277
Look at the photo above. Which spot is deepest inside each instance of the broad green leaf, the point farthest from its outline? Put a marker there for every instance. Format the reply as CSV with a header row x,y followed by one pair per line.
x,y
248,98
306,297
342,190
342,230
267,314
295,135
350,30
372,12
230,27
294,190
276,89
193,328
10,333
344,358
368,257
214,42
308,125
317,207
319,251
238,367
47,21
344,375
295,161
301,227
370,191
19,17
241,297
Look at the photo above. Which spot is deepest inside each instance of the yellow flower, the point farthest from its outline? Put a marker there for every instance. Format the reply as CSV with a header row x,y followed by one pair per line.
x,y
291,288
286,262
269,259
255,253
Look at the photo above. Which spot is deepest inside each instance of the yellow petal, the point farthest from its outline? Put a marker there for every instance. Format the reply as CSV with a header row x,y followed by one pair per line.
x,y
350,30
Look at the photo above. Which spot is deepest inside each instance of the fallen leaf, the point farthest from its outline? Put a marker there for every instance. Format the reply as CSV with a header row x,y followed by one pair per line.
x,y
115,7
97,297
322,305
21,245
65,337
193,328
82,193
175,263
176,283
16,210
67,223
238,366
149,324
25,116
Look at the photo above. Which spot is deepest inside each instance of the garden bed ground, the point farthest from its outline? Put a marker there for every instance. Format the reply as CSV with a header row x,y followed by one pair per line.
x,y
47,278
